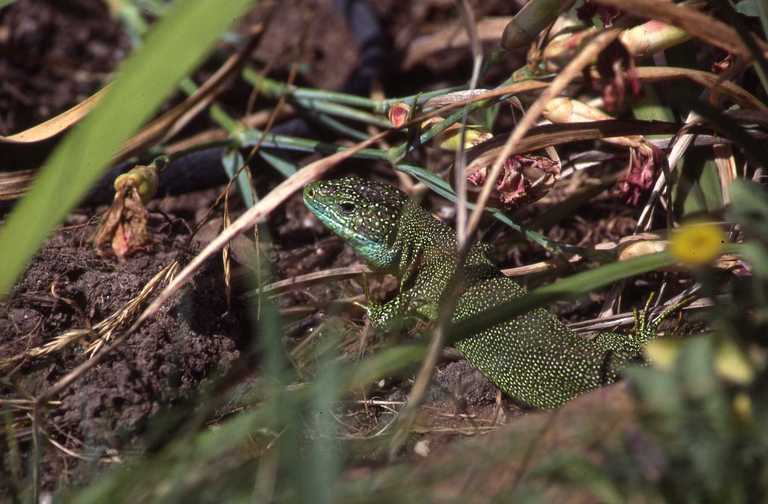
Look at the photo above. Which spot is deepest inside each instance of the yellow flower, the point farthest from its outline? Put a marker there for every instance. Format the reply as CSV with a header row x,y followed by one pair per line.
x,y
697,244
733,365
742,407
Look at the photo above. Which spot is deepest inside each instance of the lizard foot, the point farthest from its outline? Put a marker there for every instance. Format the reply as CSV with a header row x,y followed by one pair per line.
x,y
646,328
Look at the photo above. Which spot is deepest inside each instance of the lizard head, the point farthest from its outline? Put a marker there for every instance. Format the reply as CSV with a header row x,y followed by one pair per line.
x,y
363,212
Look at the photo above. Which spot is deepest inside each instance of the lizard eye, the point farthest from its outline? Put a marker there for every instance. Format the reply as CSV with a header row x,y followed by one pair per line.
x,y
347,207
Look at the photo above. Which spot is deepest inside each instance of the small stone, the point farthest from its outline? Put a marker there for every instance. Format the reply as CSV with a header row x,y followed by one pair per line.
x,y
422,448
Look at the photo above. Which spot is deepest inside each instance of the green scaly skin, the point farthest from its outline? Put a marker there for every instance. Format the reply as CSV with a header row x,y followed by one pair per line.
x,y
534,358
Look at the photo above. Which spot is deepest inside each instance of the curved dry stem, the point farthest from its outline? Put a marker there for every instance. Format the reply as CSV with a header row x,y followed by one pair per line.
x,y
253,216
569,73
696,23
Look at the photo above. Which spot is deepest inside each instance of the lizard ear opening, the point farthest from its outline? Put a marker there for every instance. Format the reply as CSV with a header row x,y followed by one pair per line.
x,y
347,207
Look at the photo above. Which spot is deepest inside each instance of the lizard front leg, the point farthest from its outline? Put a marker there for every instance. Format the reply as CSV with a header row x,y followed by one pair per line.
x,y
418,301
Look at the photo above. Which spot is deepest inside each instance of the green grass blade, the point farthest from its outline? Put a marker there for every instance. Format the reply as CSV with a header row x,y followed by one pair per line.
x,y
232,160
172,49
285,168
573,286
697,190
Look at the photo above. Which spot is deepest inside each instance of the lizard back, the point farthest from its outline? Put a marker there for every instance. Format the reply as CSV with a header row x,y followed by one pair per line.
x,y
534,358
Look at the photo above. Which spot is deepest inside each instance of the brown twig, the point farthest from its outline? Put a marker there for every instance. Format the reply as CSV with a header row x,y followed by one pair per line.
x,y
696,23
168,124
460,180
450,297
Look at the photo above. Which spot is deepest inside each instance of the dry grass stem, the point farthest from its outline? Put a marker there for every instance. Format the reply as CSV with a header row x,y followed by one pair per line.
x,y
52,127
168,124
255,215
104,330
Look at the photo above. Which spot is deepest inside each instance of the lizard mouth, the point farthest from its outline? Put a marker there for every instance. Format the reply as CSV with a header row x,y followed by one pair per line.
x,y
320,209
325,213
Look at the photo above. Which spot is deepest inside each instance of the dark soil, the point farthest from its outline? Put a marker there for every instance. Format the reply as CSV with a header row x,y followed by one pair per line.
x,y
52,55
68,286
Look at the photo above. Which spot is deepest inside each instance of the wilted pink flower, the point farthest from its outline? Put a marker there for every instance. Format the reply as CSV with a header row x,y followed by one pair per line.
x,y
523,179
616,70
641,173
724,64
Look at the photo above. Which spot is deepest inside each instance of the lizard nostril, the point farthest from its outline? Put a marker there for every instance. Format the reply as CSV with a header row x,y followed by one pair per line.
x,y
310,192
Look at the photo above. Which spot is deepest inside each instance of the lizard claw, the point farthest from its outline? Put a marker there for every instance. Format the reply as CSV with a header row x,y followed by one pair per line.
x,y
646,328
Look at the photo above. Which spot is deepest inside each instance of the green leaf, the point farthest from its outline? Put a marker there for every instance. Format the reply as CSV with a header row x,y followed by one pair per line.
x,y
320,464
757,257
232,160
698,189
748,8
385,363
285,168
762,11
651,108
695,369
176,44
659,395
750,207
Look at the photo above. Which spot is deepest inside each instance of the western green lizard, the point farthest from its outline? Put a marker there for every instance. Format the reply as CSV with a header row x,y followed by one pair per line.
x,y
534,358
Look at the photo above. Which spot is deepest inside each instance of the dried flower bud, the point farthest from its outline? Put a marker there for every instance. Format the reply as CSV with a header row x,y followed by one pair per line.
x,y
561,50
428,123
399,114
567,110
449,138
123,228
143,178
641,174
640,248
642,40
474,135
